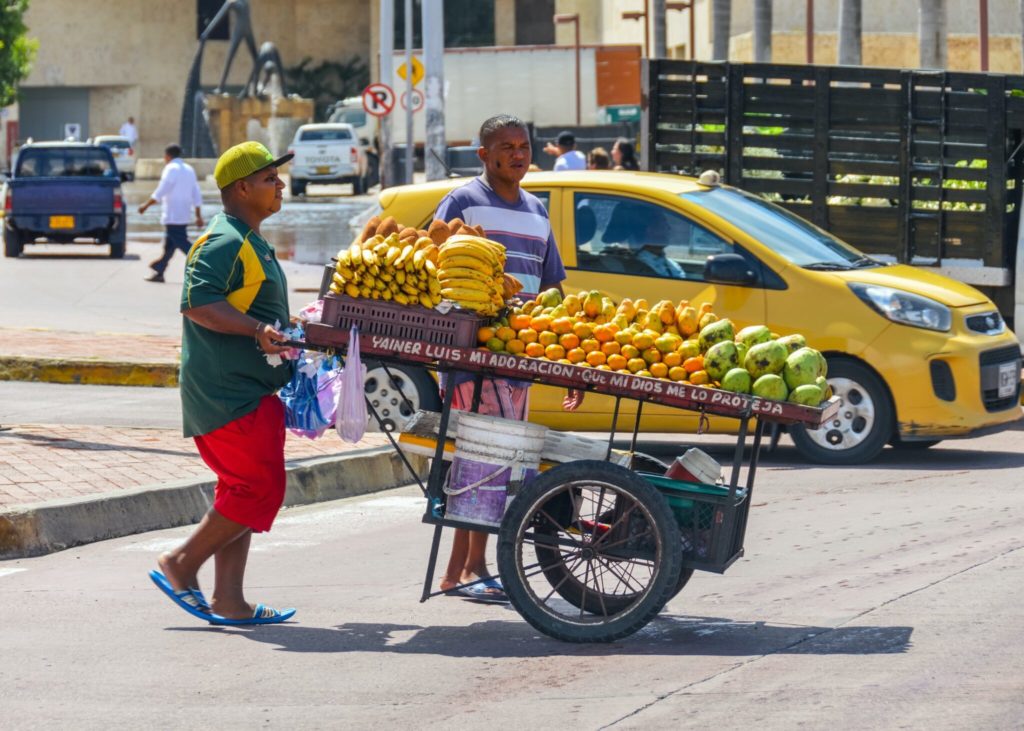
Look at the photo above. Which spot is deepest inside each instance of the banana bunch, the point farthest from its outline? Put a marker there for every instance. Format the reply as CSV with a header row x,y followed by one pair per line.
x,y
390,268
470,270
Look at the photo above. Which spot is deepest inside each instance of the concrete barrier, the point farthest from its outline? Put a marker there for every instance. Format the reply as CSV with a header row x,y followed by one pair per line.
x,y
149,168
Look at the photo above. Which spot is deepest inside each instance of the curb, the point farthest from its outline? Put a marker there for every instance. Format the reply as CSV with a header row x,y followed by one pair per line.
x,y
35,530
89,372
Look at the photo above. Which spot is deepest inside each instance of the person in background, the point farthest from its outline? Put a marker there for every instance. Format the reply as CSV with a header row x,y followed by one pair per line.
x,y
598,159
178,193
569,158
624,155
234,294
128,130
517,220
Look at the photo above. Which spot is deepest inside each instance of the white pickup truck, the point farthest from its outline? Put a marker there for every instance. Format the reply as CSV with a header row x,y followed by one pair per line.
x,y
326,154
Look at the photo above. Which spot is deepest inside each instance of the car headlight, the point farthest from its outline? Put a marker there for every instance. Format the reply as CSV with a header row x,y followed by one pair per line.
x,y
904,307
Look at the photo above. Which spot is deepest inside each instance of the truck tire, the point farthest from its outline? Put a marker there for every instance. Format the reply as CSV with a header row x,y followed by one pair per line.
x,y
13,243
298,188
358,185
863,425
116,248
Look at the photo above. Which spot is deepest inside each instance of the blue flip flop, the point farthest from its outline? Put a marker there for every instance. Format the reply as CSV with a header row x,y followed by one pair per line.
x,y
488,591
191,600
262,615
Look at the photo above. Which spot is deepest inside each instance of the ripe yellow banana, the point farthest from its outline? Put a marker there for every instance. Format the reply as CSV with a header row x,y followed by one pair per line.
x,y
400,277
351,290
466,262
402,298
447,275
345,272
393,253
355,251
406,253
477,252
464,294
429,267
369,258
425,300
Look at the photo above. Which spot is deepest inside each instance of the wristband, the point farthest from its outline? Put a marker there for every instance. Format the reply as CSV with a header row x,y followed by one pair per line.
x,y
256,335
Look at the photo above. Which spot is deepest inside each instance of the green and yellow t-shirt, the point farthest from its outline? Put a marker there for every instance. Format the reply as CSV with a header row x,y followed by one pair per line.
x,y
223,377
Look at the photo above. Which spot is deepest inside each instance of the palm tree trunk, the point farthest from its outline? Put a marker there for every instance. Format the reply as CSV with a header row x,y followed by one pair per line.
x,y
850,33
763,31
720,24
932,34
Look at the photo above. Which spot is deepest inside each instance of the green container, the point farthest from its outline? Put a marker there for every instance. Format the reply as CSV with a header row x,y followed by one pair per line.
x,y
691,502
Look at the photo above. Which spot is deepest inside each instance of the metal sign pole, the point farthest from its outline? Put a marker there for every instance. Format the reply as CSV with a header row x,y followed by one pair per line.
x,y
387,54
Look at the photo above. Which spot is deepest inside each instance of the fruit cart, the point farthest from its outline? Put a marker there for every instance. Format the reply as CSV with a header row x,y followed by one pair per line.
x,y
588,550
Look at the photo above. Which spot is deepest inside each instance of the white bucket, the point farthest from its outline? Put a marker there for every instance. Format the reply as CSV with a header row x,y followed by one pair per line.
x,y
696,466
493,457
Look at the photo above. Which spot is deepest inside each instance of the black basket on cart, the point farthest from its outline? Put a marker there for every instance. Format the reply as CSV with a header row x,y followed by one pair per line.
x,y
711,522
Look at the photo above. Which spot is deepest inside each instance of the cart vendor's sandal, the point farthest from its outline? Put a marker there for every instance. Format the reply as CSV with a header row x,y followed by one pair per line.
x,y
191,600
488,591
261,615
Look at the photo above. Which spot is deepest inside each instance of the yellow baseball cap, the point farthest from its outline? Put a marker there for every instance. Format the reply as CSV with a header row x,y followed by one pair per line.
x,y
243,160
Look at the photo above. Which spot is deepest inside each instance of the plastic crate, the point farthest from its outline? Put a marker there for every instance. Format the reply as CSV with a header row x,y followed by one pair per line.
x,y
711,523
377,317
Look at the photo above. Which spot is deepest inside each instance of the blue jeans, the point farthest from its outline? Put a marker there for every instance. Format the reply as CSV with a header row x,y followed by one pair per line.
x,y
175,237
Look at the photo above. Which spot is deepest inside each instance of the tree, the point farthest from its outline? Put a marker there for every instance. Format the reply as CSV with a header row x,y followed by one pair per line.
x,y
763,31
328,81
850,33
16,51
932,34
720,33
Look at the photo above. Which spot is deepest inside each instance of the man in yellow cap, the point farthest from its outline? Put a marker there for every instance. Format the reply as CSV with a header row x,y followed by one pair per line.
x,y
234,299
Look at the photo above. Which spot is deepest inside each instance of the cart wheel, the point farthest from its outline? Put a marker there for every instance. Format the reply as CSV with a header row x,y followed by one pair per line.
x,y
601,535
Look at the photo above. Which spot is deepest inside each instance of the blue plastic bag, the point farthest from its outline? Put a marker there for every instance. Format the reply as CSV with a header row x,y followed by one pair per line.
x,y
304,398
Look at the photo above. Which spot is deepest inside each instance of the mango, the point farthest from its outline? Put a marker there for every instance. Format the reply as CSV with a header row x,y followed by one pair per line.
x,y
687,320
592,303
550,297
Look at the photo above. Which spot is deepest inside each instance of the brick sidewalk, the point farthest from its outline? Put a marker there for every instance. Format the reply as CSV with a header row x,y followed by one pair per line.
x,y
102,346
41,463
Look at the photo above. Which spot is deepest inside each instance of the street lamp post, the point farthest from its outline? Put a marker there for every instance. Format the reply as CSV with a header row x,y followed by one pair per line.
x,y
810,31
641,15
687,5
983,32
574,18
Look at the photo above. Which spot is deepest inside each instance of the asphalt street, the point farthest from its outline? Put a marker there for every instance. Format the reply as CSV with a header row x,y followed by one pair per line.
x,y
885,596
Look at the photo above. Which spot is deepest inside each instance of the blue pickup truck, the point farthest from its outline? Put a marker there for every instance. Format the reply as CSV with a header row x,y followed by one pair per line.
x,y
60,192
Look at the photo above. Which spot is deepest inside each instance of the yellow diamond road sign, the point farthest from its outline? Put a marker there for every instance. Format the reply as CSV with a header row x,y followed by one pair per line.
x,y
417,71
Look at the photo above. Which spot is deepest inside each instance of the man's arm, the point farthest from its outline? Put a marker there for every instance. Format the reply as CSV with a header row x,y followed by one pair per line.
x,y
221,317
160,192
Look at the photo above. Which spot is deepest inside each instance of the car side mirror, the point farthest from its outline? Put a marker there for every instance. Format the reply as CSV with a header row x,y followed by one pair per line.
x,y
728,269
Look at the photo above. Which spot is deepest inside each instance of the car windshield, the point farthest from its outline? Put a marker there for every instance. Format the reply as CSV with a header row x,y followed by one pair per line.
x,y
325,135
51,162
355,117
783,232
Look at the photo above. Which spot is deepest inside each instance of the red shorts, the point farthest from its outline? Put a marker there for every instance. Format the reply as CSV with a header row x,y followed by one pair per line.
x,y
247,456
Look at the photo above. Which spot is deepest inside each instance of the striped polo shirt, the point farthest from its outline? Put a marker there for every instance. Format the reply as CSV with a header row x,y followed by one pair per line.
x,y
223,377
523,228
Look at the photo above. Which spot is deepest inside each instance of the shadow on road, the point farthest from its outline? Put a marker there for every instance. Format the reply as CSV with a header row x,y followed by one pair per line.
x,y
665,635
99,255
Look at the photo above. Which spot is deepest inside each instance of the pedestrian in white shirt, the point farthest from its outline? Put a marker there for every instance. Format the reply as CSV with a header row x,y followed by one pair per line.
x,y
569,158
128,130
177,193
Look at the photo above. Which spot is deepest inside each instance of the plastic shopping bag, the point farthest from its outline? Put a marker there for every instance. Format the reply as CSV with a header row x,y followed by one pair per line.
x,y
304,412
350,420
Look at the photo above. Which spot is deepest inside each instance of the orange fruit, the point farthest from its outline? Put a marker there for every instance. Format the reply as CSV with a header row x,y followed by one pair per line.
x,y
699,378
528,335
519,320
616,362
485,333
603,367
576,355
596,358
624,337
630,351
644,373
554,352
569,341
515,346
547,338
677,373
495,345
659,370
535,350
583,330
694,364
643,341
604,333
541,322
565,360
610,348
636,364
506,333
651,355
672,359
590,345
561,325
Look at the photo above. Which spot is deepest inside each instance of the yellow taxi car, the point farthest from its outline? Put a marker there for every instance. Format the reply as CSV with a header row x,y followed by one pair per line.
x,y
915,357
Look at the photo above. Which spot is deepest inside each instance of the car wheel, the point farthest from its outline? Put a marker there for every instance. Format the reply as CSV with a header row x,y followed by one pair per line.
x,y
864,424
298,188
13,243
913,445
116,248
385,394
357,186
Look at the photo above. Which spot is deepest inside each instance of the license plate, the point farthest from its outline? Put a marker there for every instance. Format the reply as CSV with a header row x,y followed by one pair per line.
x,y
323,169
62,221
1009,376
